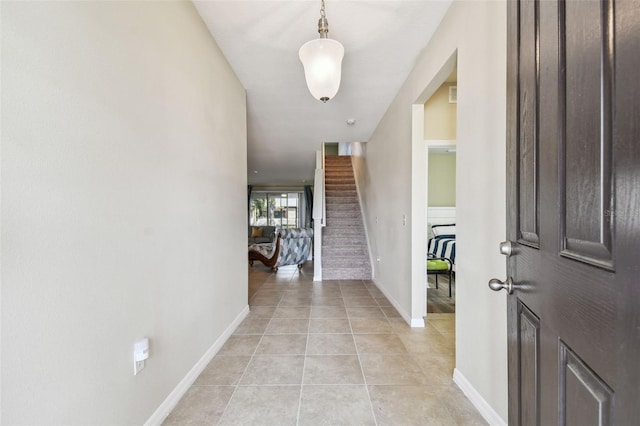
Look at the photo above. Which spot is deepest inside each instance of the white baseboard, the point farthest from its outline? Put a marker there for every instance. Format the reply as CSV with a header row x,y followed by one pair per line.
x,y
413,322
489,414
417,323
174,397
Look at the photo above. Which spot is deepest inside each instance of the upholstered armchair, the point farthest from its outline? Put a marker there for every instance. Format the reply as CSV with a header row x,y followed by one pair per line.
x,y
292,247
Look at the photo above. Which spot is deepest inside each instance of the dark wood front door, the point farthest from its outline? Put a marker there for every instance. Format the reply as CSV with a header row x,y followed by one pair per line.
x,y
574,212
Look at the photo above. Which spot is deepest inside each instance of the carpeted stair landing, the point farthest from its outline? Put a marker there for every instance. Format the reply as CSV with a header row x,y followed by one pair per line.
x,y
345,255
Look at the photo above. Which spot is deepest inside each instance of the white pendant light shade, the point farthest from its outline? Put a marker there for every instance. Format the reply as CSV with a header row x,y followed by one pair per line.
x,y
322,61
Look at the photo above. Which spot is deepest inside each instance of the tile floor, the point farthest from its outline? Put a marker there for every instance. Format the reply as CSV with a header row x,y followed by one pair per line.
x,y
330,353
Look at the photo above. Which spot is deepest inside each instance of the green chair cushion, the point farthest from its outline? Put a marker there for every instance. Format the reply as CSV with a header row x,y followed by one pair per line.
x,y
437,265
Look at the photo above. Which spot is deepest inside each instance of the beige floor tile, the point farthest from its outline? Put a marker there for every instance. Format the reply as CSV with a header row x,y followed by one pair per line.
x,y
295,301
444,326
375,292
328,312
263,405
262,311
327,301
397,369
258,300
409,405
329,325
274,370
332,370
350,283
437,369
200,405
282,344
335,405
354,292
287,326
427,342
223,370
326,292
379,343
350,302
399,325
265,291
462,410
240,345
408,371
252,325
365,312
391,312
383,302
370,326
292,312
330,344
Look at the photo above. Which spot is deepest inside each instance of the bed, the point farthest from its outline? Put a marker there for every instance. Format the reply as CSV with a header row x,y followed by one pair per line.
x,y
443,242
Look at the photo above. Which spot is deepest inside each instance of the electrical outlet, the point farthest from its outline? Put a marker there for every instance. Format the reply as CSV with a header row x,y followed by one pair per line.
x,y
138,366
140,353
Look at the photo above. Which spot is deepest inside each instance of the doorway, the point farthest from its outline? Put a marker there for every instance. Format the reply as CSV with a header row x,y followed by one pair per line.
x,y
434,123
440,120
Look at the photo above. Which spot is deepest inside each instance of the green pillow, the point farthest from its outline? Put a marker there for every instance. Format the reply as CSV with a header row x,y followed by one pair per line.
x,y
437,265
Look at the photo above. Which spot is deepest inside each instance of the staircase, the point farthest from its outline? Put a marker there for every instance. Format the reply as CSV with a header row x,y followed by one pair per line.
x,y
345,255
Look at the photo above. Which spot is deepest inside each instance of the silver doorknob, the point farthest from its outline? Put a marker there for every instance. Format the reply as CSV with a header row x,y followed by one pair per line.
x,y
497,285
507,248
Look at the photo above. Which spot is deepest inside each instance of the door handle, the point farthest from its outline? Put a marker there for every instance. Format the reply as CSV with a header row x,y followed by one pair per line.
x,y
497,285
508,248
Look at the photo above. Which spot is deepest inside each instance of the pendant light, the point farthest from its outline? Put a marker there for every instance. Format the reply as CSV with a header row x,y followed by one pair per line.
x,y
322,61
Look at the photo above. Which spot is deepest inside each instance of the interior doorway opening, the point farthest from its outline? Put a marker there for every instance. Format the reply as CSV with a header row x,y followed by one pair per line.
x,y
434,124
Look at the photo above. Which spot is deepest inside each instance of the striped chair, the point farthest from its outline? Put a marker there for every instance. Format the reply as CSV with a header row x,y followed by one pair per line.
x,y
292,247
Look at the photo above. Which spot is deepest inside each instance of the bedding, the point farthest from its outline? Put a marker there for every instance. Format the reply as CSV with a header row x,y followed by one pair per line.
x,y
444,242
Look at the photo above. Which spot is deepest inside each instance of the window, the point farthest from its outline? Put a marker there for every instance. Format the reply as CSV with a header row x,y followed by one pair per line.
x,y
276,209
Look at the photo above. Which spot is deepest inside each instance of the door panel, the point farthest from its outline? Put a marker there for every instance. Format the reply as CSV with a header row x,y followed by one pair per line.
x,y
586,57
573,173
586,399
528,132
529,350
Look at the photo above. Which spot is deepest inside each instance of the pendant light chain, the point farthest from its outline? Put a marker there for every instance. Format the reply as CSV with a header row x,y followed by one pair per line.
x,y
323,24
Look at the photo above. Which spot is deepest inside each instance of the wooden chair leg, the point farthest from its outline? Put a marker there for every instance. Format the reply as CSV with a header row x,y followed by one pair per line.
x,y
436,281
450,283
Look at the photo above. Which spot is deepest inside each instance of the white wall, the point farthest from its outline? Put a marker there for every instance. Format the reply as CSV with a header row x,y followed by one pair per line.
x,y
123,205
477,30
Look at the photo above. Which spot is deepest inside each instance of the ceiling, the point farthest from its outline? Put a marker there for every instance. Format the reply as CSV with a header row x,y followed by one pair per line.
x,y
285,124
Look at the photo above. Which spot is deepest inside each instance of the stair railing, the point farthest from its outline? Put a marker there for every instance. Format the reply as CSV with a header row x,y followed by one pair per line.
x,y
319,215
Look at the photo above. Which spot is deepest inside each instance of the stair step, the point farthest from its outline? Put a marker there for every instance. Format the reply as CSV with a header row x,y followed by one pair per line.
x,y
352,232
346,262
341,193
342,207
335,213
340,179
346,274
345,222
332,199
335,187
332,241
339,252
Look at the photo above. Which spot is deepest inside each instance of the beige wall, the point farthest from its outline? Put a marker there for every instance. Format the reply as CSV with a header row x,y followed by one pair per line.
x,y
442,180
123,206
476,30
440,115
